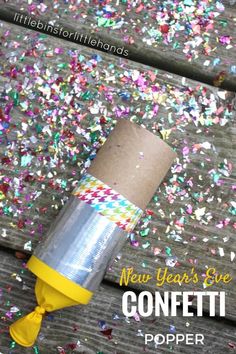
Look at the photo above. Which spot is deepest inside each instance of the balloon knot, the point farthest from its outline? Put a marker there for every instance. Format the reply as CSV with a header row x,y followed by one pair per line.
x,y
40,310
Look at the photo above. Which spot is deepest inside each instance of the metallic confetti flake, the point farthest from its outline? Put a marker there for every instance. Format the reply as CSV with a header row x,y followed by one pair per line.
x,y
28,246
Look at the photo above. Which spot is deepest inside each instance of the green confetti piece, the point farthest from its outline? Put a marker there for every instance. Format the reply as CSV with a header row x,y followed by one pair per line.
x,y
36,349
216,177
6,210
168,251
86,96
147,218
64,184
105,22
223,23
180,179
179,9
144,233
62,65
12,345
94,136
64,88
15,96
144,264
232,210
38,128
176,45
42,36
56,137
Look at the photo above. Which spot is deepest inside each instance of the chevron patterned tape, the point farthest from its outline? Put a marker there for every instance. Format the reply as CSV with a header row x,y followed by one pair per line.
x,y
108,202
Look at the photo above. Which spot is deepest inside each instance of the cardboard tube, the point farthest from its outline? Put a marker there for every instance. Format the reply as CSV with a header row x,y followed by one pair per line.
x,y
133,162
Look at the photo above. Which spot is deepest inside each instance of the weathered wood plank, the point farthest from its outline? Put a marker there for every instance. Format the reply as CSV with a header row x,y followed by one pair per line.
x,y
198,121
83,325
188,38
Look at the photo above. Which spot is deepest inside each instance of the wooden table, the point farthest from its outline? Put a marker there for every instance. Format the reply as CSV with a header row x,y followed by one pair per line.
x,y
174,98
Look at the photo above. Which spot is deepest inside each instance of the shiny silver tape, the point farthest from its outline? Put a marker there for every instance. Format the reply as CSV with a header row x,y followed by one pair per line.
x,y
81,243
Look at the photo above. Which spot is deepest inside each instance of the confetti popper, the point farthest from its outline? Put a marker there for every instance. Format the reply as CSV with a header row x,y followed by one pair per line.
x,y
93,225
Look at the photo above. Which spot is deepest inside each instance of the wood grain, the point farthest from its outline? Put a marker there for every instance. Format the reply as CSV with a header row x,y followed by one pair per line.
x,y
202,251
82,325
182,55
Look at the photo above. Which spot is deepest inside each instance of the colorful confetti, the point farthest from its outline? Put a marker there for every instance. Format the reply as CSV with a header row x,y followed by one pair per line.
x,y
59,103
196,30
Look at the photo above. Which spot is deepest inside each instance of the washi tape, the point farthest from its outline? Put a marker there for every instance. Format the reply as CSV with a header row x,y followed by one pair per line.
x,y
107,202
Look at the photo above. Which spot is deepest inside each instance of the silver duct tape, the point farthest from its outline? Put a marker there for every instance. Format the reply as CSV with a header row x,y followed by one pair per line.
x,y
81,243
